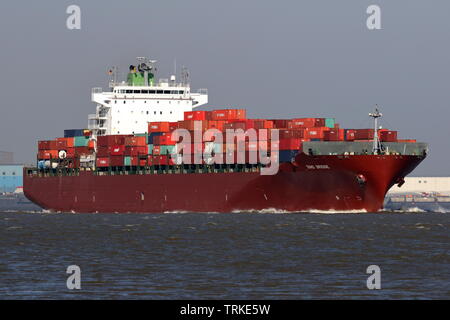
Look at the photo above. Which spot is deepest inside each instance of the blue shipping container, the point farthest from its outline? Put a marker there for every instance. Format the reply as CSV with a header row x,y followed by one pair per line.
x,y
70,133
11,177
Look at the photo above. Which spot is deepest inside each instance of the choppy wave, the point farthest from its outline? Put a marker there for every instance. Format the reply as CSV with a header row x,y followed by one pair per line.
x,y
282,211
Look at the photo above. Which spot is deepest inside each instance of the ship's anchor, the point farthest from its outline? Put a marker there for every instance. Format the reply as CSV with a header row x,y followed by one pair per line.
x,y
361,179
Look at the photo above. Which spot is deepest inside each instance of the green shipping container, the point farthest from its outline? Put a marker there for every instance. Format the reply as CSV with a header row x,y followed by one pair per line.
x,y
81,141
150,149
329,122
127,161
167,150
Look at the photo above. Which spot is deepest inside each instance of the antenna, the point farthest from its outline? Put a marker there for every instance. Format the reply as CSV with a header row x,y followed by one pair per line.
x,y
175,66
146,65
377,148
184,75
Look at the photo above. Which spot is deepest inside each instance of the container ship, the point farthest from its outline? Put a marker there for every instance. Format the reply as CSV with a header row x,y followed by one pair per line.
x,y
147,149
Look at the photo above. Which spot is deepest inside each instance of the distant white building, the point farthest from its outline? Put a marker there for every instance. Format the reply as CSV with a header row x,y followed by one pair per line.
x,y
423,184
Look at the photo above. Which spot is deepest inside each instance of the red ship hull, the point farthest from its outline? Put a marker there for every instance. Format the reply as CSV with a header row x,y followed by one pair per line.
x,y
341,183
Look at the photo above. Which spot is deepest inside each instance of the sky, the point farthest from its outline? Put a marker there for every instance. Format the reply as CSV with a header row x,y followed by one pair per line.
x,y
277,59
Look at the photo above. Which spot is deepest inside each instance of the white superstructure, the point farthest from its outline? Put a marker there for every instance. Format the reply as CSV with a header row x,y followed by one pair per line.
x,y
423,184
131,104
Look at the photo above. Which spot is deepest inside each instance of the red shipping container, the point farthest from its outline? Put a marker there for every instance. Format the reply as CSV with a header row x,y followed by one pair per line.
x,y
66,142
44,145
291,133
407,140
158,127
216,124
53,145
196,115
116,161
364,134
228,114
136,141
235,125
301,123
268,124
388,136
190,124
136,151
319,122
333,135
61,143
47,154
156,150
350,134
103,152
82,151
164,140
70,152
105,141
280,123
117,150
102,162
151,160
315,133
164,160
290,144
173,126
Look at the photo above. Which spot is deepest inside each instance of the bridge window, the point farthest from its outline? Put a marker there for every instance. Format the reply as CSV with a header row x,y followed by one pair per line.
x,y
152,91
145,91
181,92
129,91
159,91
167,91
136,91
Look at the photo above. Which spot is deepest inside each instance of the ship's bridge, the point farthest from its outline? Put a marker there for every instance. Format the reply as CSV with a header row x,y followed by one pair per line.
x,y
131,104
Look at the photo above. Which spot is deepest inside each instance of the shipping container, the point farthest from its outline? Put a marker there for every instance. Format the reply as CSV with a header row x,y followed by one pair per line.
x,y
333,135
330,122
388,136
47,154
364,134
137,141
102,162
228,114
315,133
158,127
191,125
116,161
168,149
349,134
70,133
196,115
81,141
136,151
105,141
152,135
216,124
44,145
117,150
280,123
